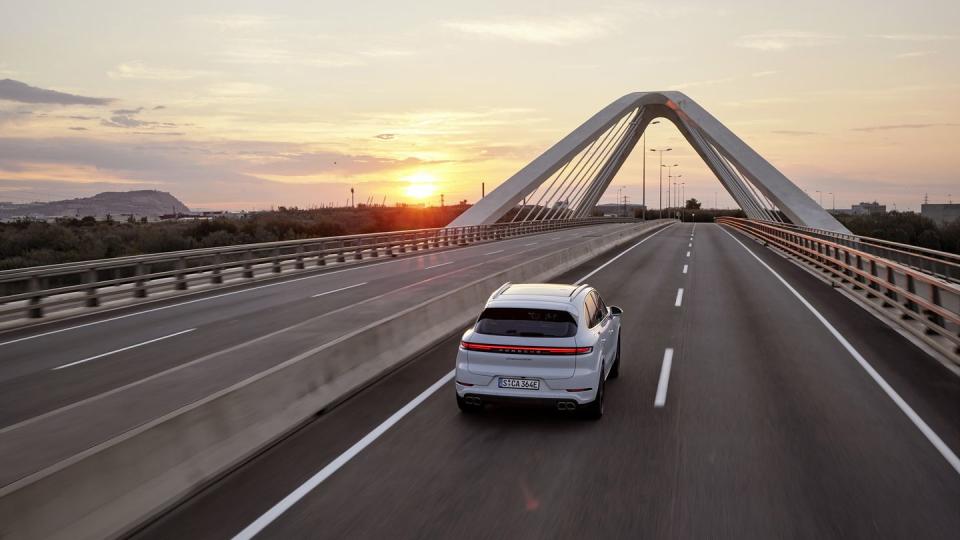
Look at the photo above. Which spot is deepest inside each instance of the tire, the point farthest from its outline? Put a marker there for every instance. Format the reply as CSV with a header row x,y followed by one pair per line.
x,y
466,407
615,370
594,409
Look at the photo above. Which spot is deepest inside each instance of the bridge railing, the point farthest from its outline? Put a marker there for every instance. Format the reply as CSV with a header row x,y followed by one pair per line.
x,y
34,291
938,263
926,305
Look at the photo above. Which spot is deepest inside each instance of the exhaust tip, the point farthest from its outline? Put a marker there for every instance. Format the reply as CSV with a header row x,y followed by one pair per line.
x,y
566,405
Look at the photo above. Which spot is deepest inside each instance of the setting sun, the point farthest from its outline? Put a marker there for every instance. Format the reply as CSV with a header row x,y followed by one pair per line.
x,y
420,185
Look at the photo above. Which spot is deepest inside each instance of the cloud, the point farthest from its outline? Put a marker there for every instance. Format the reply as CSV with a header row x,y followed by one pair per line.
x,y
385,136
159,107
783,40
12,90
764,73
917,37
902,126
548,31
913,54
138,110
138,70
124,118
77,128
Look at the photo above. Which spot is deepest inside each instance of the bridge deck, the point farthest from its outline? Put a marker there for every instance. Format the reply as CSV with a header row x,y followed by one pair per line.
x,y
49,414
770,428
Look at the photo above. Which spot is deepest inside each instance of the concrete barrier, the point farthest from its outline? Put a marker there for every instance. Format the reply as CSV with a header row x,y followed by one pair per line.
x,y
123,482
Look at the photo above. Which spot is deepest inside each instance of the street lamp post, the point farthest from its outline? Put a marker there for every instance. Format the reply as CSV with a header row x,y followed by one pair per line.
x,y
820,195
834,201
645,168
661,175
671,194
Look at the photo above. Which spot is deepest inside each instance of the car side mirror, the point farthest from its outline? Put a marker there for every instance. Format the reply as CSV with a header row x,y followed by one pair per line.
x,y
616,311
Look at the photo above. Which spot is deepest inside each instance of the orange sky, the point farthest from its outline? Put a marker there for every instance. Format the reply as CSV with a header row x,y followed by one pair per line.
x,y
292,103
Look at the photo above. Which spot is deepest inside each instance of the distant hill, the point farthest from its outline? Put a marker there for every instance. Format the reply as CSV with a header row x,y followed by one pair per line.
x,y
116,203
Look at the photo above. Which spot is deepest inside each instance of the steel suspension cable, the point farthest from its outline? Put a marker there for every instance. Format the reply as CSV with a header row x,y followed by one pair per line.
x,y
596,160
594,193
579,160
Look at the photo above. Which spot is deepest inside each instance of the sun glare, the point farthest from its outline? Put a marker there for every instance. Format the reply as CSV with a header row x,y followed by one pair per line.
x,y
420,185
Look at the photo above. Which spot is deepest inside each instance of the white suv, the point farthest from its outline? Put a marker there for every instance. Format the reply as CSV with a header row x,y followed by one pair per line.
x,y
540,343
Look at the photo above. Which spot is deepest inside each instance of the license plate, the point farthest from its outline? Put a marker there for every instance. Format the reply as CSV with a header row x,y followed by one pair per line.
x,y
520,384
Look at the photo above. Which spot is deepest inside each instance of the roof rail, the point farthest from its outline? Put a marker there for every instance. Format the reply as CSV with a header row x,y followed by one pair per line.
x,y
501,290
577,290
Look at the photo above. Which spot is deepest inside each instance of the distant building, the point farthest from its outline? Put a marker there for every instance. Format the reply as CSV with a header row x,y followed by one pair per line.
x,y
941,213
868,208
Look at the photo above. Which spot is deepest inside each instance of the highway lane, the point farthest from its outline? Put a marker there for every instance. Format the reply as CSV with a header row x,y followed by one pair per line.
x,y
768,429
125,346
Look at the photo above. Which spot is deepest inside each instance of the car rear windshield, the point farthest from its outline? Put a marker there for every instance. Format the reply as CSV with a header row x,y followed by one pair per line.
x,y
526,322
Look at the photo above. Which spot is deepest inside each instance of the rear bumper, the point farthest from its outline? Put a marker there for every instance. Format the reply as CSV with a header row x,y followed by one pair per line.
x,y
534,402
486,389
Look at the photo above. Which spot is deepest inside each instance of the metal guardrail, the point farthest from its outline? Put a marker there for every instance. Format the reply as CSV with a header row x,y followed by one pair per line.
x,y
34,290
938,263
928,307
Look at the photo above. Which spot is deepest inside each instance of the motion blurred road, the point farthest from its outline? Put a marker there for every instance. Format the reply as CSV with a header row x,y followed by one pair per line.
x,y
763,425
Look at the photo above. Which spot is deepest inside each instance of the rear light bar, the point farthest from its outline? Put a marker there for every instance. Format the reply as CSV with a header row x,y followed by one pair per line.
x,y
524,349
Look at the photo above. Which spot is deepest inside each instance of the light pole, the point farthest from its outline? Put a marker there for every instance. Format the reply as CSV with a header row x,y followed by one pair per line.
x,y
645,168
661,175
820,195
834,203
670,194
683,194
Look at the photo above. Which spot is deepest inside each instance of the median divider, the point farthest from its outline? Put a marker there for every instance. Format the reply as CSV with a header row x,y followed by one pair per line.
x,y
123,482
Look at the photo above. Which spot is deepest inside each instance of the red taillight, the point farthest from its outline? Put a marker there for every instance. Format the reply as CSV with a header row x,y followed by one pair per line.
x,y
524,349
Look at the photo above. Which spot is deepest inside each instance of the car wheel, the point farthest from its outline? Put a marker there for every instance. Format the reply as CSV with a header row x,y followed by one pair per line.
x,y
615,370
466,407
594,409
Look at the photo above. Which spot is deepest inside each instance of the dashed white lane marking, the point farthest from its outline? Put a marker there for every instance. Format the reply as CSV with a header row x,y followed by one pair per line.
x,y
661,398
904,407
679,299
124,349
530,244
690,244
494,252
688,254
278,509
340,289
439,265
684,269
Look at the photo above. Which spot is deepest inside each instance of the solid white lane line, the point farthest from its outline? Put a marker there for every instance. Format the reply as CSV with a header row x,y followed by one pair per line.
x,y
223,295
278,509
124,349
494,252
273,513
439,265
684,269
904,407
340,289
661,398
679,299
688,254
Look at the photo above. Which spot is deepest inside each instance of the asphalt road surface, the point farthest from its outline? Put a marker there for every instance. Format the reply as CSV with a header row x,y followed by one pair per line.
x,y
787,412
69,385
